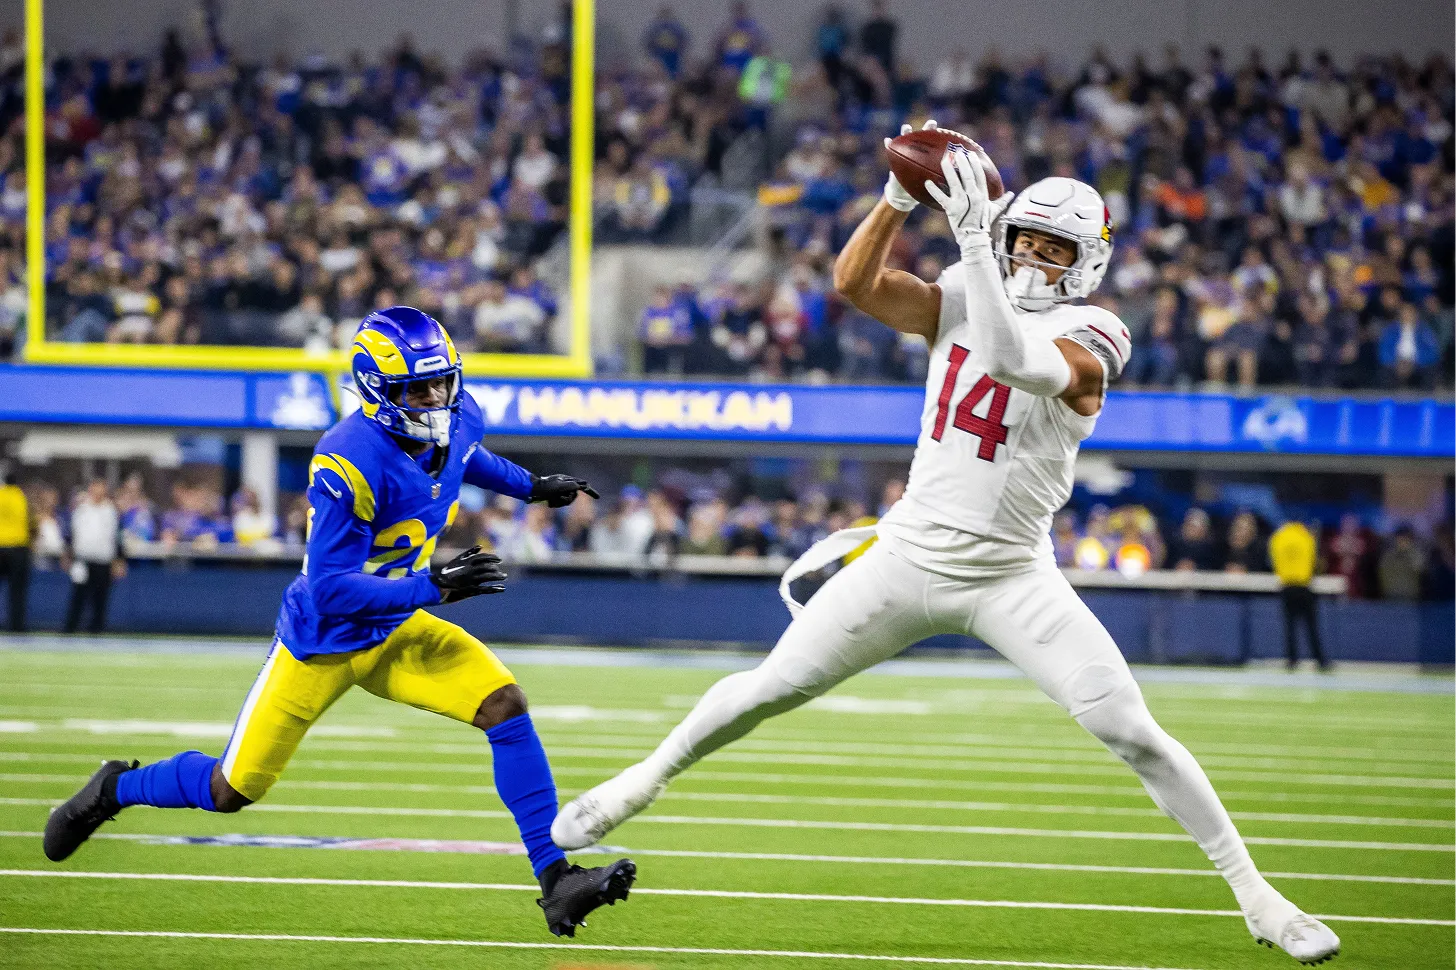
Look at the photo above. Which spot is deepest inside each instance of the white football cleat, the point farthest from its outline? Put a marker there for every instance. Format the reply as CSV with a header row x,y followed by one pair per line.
x,y
1281,924
588,817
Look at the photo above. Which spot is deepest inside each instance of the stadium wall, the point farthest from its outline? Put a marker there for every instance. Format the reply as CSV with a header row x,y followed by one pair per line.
x,y
626,609
337,27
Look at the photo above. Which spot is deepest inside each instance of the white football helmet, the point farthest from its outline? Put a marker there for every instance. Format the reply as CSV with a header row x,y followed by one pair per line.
x,y
1062,207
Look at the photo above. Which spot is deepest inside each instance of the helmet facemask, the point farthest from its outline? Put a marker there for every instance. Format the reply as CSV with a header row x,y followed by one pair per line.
x,y
1025,277
424,424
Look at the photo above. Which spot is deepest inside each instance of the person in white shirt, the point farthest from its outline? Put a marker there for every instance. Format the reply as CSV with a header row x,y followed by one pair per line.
x,y
612,540
638,523
95,557
506,321
535,166
1018,374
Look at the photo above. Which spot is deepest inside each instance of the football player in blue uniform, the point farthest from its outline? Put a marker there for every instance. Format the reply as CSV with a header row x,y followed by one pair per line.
x,y
383,484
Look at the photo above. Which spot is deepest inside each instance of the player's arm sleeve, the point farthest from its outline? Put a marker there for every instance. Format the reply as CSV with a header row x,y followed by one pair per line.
x,y
1010,355
489,470
339,543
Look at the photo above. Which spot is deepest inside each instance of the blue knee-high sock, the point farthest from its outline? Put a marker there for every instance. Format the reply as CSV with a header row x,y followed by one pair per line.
x,y
523,781
182,781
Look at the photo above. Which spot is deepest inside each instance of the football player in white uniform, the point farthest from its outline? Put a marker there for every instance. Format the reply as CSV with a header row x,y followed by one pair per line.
x,y
1017,376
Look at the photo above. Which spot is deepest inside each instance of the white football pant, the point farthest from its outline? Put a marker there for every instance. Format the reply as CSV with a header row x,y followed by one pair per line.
x,y
880,604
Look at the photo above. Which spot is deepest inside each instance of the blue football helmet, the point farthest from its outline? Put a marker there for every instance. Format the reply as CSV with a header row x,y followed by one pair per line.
x,y
393,349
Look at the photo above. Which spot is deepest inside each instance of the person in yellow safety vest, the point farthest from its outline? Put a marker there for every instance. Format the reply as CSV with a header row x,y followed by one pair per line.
x,y
1294,554
15,548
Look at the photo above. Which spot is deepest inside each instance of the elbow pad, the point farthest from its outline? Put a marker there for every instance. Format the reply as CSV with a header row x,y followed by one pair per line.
x,y
1110,344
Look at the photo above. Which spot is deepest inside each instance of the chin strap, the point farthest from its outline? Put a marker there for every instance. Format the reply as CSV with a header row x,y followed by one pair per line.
x,y
433,426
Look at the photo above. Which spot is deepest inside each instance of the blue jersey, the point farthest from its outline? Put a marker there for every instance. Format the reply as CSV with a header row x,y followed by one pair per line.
x,y
375,514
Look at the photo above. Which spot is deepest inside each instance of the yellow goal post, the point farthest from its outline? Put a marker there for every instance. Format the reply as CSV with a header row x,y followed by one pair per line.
x,y
576,363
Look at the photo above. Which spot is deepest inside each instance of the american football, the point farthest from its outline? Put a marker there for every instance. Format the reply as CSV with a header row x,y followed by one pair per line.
x,y
915,157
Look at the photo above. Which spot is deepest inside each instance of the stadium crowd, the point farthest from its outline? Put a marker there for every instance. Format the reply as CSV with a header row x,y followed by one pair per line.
x,y
1286,224
1276,225
692,514
194,198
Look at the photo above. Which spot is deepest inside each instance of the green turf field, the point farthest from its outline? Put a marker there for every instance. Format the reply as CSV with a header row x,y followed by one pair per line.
x,y
921,820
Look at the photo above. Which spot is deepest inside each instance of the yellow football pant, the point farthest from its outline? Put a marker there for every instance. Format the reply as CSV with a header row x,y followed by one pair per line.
x,y
426,663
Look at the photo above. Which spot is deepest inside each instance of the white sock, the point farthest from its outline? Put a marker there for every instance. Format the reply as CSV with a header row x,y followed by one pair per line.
x,y
1177,783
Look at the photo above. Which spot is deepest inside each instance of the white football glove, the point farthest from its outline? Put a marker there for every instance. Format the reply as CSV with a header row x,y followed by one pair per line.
x,y
967,208
895,193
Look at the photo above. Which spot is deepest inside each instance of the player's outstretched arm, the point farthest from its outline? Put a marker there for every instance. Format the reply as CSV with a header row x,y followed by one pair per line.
x,y
897,299
1010,354
485,469
490,471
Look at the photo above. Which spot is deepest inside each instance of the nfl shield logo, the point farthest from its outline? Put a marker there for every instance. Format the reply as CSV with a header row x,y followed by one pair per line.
x,y
435,490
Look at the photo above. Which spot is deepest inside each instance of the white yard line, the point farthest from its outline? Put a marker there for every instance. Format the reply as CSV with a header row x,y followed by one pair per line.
x,y
895,861
906,761
988,747
482,768
583,947
697,893
833,802
780,823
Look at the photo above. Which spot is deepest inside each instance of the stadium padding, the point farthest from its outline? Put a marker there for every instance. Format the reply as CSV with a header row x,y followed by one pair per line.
x,y
541,607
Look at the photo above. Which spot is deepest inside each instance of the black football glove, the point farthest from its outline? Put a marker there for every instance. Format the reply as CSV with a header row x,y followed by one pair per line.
x,y
558,491
472,573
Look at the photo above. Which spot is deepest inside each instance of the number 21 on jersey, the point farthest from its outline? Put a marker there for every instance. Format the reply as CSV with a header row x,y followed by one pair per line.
x,y
990,429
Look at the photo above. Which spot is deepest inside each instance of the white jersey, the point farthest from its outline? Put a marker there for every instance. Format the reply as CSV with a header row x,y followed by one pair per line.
x,y
993,463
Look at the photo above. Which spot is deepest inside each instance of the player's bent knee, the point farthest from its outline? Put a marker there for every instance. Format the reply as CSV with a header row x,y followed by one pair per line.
x,y
225,798
1097,685
502,705
1121,720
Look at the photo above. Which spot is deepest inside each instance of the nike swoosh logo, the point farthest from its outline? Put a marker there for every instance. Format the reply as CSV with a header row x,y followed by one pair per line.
x,y
325,483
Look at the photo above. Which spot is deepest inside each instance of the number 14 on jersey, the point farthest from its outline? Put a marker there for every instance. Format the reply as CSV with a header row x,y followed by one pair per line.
x,y
989,429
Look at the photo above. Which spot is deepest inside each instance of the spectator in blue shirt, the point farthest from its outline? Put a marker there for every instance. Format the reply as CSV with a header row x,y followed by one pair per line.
x,y
667,40
524,282
1421,279
666,329
1156,361
1408,351
832,39
740,40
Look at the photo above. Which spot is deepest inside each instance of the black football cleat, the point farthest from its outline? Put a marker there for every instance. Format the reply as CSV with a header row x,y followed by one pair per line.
x,y
577,892
72,823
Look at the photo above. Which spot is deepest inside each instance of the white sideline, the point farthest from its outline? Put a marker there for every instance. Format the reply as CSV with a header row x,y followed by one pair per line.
x,y
699,893
1037,808
904,861
783,823
482,768
585,947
